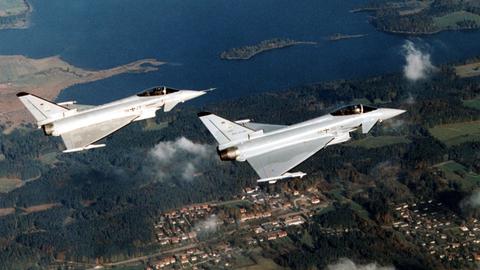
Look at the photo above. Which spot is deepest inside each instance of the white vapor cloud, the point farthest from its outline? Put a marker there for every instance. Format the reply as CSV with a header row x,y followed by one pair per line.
x,y
166,150
418,65
182,159
347,264
473,200
394,124
410,100
208,225
386,169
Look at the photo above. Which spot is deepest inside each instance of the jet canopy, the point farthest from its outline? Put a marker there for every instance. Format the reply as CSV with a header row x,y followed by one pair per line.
x,y
157,91
353,109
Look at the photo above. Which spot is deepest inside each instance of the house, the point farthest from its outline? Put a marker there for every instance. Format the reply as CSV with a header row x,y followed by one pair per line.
x,y
476,256
258,230
272,236
164,262
294,220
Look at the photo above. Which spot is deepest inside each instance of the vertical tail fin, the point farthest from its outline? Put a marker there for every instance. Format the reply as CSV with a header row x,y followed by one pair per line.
x,y
222,129
40,108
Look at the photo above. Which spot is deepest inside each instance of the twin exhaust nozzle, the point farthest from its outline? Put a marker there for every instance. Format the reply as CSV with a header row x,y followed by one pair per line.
x,y
228,154
48,129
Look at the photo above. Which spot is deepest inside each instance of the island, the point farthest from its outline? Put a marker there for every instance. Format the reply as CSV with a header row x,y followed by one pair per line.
x,y
470,68
46,77
423,17
247,52
14,14
339,36
377,193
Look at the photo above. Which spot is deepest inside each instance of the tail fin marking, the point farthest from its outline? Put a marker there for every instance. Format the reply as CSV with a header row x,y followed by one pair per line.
x,y
40,108
222,129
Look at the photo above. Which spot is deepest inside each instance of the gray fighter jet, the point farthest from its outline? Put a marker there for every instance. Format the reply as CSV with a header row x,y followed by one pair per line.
x,y
273,150
80,126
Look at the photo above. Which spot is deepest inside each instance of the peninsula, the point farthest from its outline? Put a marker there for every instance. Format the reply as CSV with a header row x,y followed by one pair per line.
x,y
14,14
247,52
47,77
423,17
339,36
468,70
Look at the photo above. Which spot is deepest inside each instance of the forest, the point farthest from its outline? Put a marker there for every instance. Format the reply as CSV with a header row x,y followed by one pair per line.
x,y
109,197
423,17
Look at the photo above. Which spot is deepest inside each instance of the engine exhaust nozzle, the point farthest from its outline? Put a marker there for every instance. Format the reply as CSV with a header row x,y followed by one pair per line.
x,y
228,154
48,129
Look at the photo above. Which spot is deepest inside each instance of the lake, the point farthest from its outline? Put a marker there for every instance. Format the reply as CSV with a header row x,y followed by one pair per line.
x,y
190,35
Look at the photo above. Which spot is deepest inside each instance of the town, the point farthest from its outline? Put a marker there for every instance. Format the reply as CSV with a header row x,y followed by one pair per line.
x,y
255,216
439,231
224,234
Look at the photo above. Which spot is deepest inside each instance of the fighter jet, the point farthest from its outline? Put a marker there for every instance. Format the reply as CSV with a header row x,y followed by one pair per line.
x,y
273,150
80,126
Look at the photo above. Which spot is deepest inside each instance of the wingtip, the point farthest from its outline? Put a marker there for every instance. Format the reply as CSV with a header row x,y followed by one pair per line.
x,y
200,114
21,94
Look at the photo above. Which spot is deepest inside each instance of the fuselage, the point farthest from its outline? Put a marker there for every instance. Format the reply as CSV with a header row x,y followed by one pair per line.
x,y
143,107
337,128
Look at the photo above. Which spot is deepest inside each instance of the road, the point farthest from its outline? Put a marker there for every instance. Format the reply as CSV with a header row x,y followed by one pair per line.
x,y
146,257
207,242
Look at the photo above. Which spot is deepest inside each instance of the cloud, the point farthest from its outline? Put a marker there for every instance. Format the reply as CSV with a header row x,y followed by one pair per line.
x,y
167,150
418,65
347,264
386,169
394,124
473,201
410,99
208,225
180,159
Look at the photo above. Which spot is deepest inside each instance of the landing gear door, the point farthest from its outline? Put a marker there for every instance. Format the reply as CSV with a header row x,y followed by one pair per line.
x,y
367,125
169,106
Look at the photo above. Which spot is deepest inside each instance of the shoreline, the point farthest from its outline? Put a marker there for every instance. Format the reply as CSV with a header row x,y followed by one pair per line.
x,y
248,52
338,36
48,77
427,33
23,20
366,9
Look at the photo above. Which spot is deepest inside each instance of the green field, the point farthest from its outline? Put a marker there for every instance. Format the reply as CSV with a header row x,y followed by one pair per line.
x,y
151,125
457,133
12,7
457,172
472,103
376,142
49,158
9,184
450,21
468,70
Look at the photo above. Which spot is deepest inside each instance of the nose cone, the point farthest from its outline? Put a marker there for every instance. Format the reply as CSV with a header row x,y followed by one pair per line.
x,y
189,94
390,113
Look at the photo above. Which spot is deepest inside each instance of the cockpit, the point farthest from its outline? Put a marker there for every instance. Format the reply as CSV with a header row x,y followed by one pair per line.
x,y
157,91
353,109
